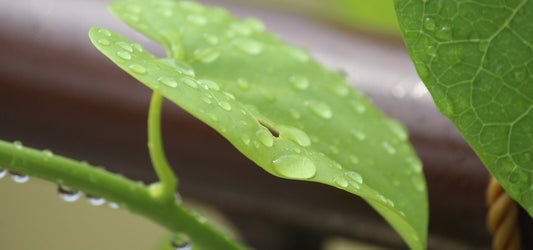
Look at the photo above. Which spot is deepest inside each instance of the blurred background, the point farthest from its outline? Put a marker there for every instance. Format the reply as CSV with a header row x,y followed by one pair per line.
x,y
58,92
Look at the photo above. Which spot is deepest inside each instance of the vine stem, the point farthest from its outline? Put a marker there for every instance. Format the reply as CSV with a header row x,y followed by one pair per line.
x,y
127,193
166,188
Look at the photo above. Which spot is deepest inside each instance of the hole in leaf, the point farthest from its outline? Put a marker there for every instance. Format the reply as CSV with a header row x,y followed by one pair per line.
x,y
271,129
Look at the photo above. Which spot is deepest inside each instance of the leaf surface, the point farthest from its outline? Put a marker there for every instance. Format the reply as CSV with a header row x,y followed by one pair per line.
x,y
476,58
275,104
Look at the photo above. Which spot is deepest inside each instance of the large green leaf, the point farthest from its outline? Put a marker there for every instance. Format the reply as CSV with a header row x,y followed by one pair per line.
x,y
275,104
476,58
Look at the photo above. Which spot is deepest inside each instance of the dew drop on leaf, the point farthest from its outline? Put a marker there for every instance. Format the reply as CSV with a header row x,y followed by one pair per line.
x,y
295,135
354,159
104,32
295,114
137,68
124,54
298,54
294,166
320,109
224,105
178,65
47,154
104,42
18,144
181,242
210,39
19,178
245,139
358,134
68,194
113,205
358,106
299,82
95,201
207,55
429,24
355,176
3,172
168,81
248,46
341,181
265,137
445,33
388,147
190,82
208,84
125,46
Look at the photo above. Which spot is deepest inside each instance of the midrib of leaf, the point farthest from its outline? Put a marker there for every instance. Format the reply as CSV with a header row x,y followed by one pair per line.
x,y
328,132
482,82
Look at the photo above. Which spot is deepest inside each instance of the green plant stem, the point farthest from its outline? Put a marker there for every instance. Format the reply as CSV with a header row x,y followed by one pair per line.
x,y
168,180
128,194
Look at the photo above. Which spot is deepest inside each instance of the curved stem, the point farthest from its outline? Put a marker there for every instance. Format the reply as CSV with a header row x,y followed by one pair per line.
x,y
127,193
168,180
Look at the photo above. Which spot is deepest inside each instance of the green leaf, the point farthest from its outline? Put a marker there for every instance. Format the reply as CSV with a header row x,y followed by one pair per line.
x,y
476,58
275,104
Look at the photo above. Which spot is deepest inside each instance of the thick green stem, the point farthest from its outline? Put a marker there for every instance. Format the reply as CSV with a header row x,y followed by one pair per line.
x,y
168,181
127,193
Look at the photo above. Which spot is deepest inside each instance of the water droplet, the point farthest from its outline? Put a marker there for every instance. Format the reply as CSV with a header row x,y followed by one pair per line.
x,y
360,135
265,137
295,114
354,159
208,84
137,47
388,147
229,95
179,65
336,165
206,99
243,84
197,19
431,50
415,164
358,106
19,178
113,205
386,200
125,46
137,68
104,42
224,105
429,24
18,144
294,166
298,54
68,194
211,39
254,24
124,54
294,135
47,154
3,173
95,201
239,29
248,46
445,33
190,82
319,108
104,32
398,129
178,199
207,55
181,242
355,176
299,82
341,181
245,139
168,81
